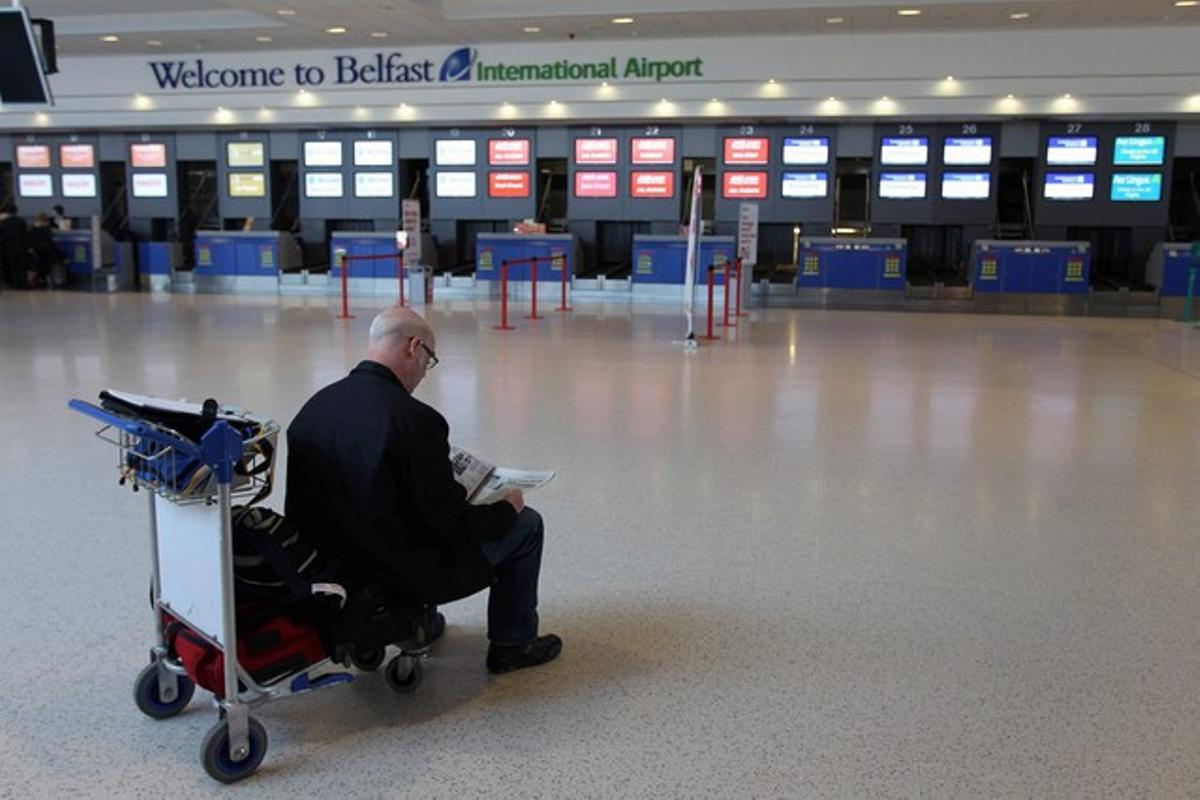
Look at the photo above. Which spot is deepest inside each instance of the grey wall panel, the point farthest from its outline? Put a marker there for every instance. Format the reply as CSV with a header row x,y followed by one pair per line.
x,y
196,146
285,145
855,141
699,141
414,143
1187,140
112,147
1019,140
6,148
553,143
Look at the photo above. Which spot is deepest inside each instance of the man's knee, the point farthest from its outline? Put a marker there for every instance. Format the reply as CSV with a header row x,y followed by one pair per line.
x,y
533,530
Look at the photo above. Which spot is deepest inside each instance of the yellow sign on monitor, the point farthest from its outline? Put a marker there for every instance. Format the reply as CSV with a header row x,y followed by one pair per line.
x,y
247,184
245,154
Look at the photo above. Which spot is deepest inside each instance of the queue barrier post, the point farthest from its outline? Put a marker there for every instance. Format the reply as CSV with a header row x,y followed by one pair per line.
x,y
562,261
503,326
533,262
711,272
728,288
739,277
346,258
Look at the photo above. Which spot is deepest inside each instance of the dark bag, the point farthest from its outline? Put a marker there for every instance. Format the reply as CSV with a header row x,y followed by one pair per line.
x,y
273,561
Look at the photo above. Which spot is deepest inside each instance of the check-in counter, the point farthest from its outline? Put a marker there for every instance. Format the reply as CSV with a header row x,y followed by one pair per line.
x,y
852,264
243,261
553,251
157,262
1030,267
115,269
660,265
1167,269
373,264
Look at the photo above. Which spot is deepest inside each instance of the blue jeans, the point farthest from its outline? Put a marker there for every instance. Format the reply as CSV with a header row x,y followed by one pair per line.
x,y
517,561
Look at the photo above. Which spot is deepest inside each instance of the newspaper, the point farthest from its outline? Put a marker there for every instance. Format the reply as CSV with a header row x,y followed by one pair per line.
x,y
486,483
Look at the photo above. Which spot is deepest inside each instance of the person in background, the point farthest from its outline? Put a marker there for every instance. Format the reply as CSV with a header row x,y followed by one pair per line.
x,y
45,261
15,234
60,220
369,480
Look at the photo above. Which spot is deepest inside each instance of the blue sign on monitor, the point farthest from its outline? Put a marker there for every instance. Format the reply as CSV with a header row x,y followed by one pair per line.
x,y
1129,151
1145,187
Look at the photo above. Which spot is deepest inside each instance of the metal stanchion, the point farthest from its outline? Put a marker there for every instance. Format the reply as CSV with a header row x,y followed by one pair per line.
x,y
709,334
400,272
345,289
533,283
503,326
562,260
739,277
728,288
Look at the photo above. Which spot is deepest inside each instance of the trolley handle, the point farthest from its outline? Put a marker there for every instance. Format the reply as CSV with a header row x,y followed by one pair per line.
x,y
139,428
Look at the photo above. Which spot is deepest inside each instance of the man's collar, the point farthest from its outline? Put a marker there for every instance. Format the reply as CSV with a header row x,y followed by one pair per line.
x,y
375,368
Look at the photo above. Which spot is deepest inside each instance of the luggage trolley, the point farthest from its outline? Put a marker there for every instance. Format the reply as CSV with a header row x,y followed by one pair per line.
x,y
191,486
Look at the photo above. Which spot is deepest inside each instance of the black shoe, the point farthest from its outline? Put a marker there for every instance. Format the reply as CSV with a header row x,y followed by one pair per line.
x,y
507,657
435,626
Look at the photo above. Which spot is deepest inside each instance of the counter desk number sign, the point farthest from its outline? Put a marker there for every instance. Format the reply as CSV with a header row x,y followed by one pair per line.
x,y
645,263
485,260
891,266
987,269
1075,269
812,265
266,257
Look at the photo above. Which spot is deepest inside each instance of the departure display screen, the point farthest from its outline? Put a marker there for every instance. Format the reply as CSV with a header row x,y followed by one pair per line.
x,y
79,185
652,151
374,184
1140,187
595,184
902,185
455,184
652,185
1071,151
373,153
33,156
1139,151
1069,186
508,152
805,185
149,184
967,152
595,151
35,184
323,184
245,154
966,185
744,185
151,155
322,154
912,151
454,153
247,184
508,185
747,151
76,156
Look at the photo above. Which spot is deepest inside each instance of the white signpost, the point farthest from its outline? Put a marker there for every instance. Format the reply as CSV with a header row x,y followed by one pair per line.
x,y
748,234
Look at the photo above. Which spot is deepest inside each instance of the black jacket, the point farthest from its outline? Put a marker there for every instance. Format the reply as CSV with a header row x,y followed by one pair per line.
x,y
369,480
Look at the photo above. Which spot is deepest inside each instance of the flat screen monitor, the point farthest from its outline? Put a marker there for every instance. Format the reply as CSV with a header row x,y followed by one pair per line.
x,y
1071,151
744,185
902,185
374,184
911,151
1069,186
23,78
247,184
805,151
454,152
245,154
1136,187
647,185
966,185
748,151
323,184
974,151
373,153
76,156
508,152
652,150
595,184
1139,151
148,155
35,184
79,184
508,185
455,184
33,156
322,153
149,184
595,151
805,185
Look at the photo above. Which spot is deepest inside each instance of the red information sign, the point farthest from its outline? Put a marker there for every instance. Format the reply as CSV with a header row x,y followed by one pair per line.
x,y
33,156
652,151
744,185
76,156
652,184
148,155
508,184
508,152
746,151
595,184
595,151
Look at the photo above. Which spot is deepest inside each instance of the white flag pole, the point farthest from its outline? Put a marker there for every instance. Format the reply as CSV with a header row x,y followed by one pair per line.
x,y
693,258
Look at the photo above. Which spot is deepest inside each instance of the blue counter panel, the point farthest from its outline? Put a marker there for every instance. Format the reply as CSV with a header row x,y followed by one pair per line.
x,y
852,265
664,259
1176,263
492,251
154,258
372,257
1031,268
256,255
77,248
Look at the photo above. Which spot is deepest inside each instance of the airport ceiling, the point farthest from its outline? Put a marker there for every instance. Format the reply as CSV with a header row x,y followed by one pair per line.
x,y
157,26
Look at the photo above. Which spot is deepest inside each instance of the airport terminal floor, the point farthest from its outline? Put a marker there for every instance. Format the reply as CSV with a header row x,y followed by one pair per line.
x,y
838,554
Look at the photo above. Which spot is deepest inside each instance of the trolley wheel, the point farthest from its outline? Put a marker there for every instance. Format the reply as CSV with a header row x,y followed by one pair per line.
x,y
368,660
401,681
214,753
150,702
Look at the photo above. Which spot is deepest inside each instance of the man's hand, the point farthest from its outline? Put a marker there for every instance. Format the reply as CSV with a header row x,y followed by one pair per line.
x,y
516,499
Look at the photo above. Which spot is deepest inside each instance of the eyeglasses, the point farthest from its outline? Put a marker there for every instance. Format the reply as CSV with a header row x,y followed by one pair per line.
x,y
432,361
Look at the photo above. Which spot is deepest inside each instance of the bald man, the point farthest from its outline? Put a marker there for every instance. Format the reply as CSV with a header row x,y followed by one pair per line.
x,y
369,480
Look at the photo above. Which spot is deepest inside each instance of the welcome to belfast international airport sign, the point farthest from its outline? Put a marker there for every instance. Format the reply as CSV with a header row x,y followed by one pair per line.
x,y
392,68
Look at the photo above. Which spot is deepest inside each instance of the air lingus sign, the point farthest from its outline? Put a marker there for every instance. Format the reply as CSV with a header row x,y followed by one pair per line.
x,y
463,65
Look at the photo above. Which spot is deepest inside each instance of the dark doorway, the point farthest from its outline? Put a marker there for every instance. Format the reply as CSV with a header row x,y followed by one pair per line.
x,y
6,183
414,185
852,194
285,194
113,202
552,193
1014,199
197,182
936,254
1185,200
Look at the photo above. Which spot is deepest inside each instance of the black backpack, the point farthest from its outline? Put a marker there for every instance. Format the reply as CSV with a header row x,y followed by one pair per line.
x,y
272,561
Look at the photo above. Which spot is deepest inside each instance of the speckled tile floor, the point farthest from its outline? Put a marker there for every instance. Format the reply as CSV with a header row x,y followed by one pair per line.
x,y
850,555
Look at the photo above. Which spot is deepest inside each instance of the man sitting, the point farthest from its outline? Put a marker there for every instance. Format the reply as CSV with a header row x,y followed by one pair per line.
x,y
369,480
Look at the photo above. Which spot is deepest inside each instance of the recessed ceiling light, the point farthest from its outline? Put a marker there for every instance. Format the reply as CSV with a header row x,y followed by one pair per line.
x,y
835,20
110,38
263,39
909,12
1019,15
950,78
336,30
1067,96
770,80
553,102
885,99
378,34
1010,97
622,20
1186,3
286,12
532,29
832,99
154,42
714,100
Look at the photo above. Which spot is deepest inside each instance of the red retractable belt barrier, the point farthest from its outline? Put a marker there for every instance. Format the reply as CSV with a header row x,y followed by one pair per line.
x,y
347,258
